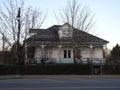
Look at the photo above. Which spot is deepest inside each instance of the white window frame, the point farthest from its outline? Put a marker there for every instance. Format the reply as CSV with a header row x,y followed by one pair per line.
x,y
68,55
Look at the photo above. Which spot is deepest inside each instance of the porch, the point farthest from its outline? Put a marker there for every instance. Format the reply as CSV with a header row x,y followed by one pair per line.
x,y
62,54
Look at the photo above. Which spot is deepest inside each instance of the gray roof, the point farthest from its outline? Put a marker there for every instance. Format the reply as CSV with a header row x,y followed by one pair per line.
x,y
50,36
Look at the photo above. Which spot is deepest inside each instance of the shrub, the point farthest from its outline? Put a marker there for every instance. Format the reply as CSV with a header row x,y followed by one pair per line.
x,y
47,69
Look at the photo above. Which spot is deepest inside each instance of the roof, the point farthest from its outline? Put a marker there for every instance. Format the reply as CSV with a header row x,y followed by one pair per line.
x,y
50,36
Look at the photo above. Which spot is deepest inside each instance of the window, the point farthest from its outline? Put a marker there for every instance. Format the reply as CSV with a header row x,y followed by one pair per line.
x,y
66,33
67,54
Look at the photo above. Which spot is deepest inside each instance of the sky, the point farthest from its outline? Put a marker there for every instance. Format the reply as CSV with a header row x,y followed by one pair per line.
x,y
107,16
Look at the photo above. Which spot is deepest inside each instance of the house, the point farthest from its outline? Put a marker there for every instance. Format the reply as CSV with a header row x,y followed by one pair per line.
x,y
63,44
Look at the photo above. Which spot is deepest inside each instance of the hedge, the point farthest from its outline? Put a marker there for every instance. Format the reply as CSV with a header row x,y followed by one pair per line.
x,y
111,69
46,69
55,69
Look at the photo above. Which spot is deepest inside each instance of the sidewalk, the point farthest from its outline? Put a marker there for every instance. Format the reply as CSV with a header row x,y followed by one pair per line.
x,y
56,76
10,77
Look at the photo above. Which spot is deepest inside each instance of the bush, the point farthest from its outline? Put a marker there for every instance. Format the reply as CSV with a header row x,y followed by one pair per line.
x,y
55,69
47,69
111,69
7,69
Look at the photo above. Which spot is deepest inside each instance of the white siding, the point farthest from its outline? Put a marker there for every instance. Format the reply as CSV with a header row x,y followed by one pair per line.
x,y
55,52
98,52
38,52
85,52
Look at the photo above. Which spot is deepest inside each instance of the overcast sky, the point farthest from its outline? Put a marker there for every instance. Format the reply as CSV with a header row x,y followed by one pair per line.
x,y
107,16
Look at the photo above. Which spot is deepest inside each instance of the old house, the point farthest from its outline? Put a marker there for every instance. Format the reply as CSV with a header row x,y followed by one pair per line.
x,y
63,44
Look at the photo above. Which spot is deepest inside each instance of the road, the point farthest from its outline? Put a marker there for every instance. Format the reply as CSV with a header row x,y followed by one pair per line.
x,y
61,83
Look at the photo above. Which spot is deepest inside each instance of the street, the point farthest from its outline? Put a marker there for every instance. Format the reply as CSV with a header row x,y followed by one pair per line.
x,y
61,83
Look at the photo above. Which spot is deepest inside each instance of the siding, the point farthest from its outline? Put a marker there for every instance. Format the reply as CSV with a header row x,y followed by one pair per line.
x,y
55,54
85,52
38,53
98,52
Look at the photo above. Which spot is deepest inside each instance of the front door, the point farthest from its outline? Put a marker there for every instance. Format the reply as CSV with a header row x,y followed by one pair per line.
x,y
67,56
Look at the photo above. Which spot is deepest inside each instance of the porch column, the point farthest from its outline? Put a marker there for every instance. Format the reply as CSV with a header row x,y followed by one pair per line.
x,y
91,51
91,57
43,53
105,49
26,57
60,46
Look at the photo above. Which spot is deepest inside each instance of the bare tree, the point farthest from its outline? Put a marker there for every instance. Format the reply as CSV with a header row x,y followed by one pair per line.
x,y
30,18
76,15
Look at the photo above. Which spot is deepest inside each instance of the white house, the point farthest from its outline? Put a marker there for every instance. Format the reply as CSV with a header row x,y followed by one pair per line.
x,y
63,44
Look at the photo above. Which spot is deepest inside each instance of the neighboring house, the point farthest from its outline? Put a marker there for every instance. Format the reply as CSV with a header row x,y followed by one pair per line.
x,y
63,44
1,57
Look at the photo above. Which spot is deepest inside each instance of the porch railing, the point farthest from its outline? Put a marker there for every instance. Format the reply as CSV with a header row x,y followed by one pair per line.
x,y
63,60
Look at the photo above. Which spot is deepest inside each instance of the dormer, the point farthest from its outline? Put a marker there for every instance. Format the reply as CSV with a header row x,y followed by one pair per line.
x,y
65,31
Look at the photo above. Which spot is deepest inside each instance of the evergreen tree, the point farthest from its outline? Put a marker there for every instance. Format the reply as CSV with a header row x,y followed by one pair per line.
x,y
114,58
116,51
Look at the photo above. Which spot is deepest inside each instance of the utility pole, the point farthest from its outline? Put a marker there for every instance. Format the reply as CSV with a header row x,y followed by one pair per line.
x,y
3,39
18,41
3,46
18,33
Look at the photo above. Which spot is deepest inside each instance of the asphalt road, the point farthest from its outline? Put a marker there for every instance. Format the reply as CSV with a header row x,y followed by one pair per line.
x,y
61,83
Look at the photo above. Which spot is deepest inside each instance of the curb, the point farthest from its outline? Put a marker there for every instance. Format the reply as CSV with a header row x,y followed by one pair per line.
x,y
56,76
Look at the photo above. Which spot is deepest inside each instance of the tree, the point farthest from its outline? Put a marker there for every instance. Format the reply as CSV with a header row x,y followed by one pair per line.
x,y
76,15
114,58
15,21
20,54
29,18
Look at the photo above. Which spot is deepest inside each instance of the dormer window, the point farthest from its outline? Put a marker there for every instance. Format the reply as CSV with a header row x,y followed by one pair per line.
x,y
65,31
